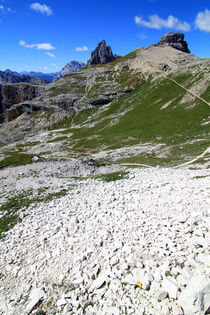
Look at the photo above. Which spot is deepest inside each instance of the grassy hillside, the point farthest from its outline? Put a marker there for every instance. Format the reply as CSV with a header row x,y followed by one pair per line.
x,y
154,112
158,123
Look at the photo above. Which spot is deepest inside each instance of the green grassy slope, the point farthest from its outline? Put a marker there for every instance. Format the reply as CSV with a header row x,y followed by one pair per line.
x,y
157,111
153,112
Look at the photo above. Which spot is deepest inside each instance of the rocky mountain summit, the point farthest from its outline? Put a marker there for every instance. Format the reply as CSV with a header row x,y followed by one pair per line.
x,y
102,54
175,40
70,67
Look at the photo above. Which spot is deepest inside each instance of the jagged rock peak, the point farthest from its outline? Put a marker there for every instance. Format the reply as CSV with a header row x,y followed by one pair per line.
x,y
102,54
175,40
70,67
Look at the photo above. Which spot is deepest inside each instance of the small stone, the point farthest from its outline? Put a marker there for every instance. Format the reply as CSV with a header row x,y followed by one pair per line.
x,y
110,310
131,260
165,310
177,310
61,302
182,218
171,286
162,295
129,279
146,283
98,283
114,261
35,158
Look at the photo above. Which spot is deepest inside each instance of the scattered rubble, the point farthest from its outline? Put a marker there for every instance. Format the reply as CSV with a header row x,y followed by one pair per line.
x,y
135,246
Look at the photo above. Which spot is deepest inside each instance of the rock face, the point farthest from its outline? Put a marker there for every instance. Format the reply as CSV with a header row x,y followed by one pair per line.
x,y
70,67
102,54
16,94
175,40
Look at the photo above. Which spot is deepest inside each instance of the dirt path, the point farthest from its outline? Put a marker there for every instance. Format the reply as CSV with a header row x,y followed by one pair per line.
x,y
200,98
196,158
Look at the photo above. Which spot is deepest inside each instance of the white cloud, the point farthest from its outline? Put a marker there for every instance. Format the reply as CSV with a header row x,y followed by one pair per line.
x,y
158,23
84,48
53,65
44,46
42,8
202,21
2,10
45,68
50,54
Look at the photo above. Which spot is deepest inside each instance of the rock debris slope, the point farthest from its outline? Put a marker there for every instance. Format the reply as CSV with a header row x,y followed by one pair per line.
x,y
136,246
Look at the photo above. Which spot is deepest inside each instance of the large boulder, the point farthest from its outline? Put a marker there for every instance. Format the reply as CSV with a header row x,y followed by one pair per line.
x,y
175,40
196,296
102,54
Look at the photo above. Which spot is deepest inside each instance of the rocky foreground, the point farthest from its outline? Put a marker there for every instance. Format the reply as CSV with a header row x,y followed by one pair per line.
x,y
134,246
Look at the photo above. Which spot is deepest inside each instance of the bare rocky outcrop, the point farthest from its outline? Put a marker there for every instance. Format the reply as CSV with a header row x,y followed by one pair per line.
x,y
15,94
175,40
102,54
18,93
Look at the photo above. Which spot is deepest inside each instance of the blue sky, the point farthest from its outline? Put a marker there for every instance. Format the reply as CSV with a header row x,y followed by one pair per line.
x,y
45,35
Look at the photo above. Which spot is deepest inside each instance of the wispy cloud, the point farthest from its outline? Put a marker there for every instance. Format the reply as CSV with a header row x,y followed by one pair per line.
x,y
84,48
5,10
44,46
142,36
42,8
50,54
202,21
158,23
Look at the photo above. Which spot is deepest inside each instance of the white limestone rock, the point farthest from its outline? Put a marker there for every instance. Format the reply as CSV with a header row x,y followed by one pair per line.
x,y
61,302
171,286
97,284
162,295
195,298
35,296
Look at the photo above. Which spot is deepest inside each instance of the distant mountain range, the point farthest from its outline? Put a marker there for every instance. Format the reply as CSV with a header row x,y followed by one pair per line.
x,y
46,76
9,76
